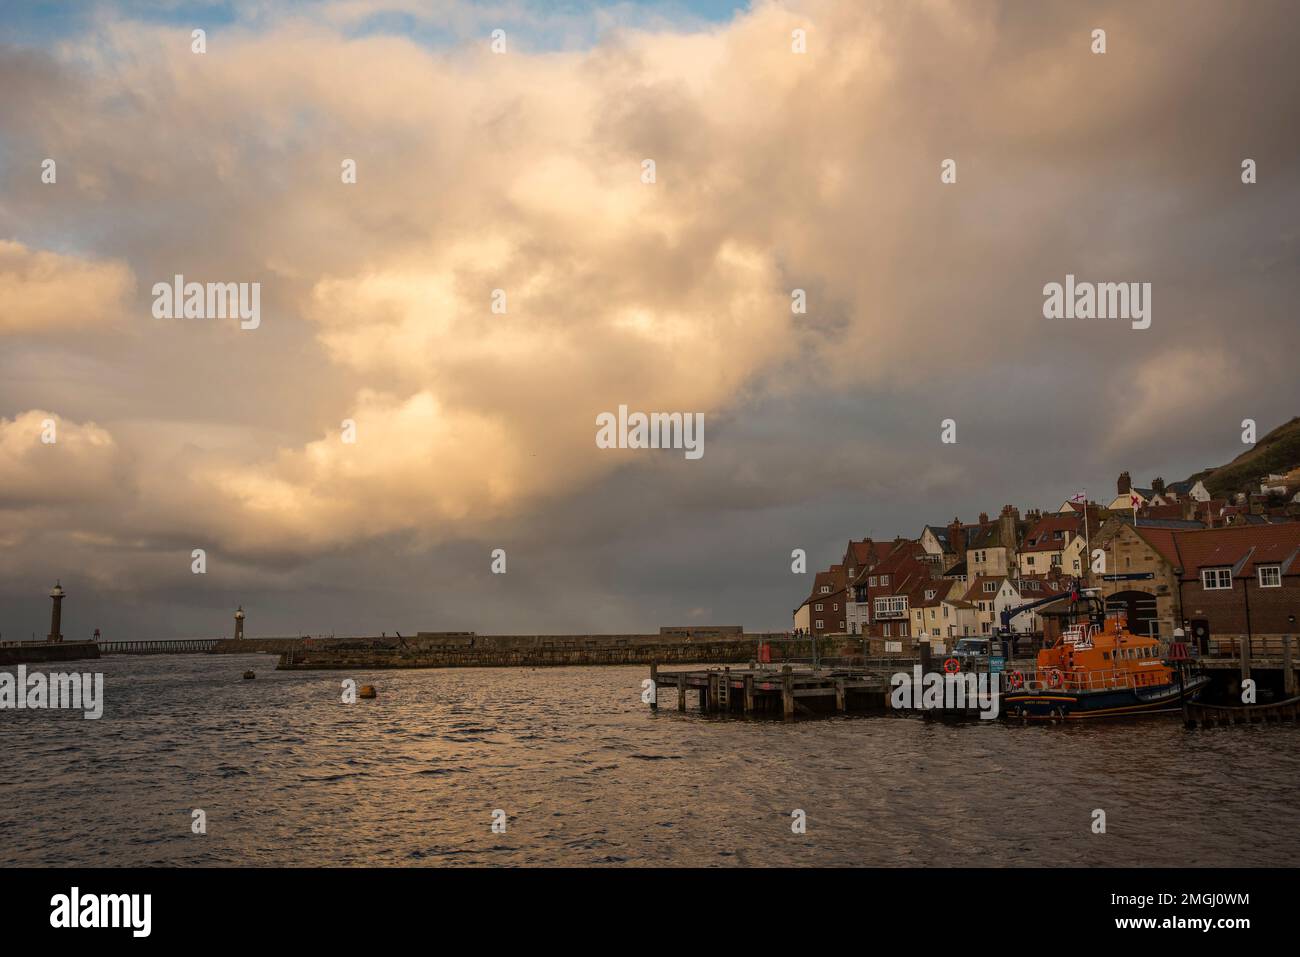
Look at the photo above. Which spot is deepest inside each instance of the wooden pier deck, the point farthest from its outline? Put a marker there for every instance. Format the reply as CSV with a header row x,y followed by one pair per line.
x,y
774,690
1209,715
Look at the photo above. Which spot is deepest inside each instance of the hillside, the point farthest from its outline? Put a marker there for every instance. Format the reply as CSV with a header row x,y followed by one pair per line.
x,y
1278,451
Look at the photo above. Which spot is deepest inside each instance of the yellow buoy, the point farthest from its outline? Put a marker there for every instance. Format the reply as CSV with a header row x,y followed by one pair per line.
x,y
367,691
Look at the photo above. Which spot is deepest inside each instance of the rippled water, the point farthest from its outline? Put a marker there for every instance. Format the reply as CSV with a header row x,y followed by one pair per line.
x,y
288,775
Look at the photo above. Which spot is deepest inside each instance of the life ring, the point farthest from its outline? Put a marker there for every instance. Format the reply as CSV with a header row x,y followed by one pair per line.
x,y
1016,679
1054,678
952,666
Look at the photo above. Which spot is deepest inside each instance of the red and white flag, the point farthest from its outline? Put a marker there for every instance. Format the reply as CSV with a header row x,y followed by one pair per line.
x,y
1079,497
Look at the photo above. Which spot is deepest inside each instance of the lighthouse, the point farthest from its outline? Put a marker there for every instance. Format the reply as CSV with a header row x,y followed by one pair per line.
x,y
56,613
239,623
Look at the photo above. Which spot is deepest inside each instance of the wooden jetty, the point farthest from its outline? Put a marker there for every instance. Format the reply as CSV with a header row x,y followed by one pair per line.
x,y
775,690
1210,715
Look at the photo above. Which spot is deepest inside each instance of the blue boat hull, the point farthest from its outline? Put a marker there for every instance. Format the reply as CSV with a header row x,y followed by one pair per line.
x,y
1117,703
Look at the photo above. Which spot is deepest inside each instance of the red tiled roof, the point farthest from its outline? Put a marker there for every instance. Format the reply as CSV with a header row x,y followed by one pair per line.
x,y
976,591
1043,534
1256,545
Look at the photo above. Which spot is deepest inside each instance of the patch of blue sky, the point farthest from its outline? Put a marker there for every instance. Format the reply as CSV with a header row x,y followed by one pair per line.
x,y
530,25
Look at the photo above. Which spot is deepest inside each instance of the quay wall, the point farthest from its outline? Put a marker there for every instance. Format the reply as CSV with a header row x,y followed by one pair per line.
x,y
255,646
507,651
38,652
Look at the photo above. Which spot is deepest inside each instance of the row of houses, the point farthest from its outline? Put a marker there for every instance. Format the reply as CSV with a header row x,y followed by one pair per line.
x,y
1171,559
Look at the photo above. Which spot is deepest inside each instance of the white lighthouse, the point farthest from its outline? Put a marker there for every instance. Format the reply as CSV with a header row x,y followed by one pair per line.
x,y
56,613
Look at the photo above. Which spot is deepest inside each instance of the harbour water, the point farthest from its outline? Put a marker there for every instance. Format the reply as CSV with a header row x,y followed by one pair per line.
x,y
287,775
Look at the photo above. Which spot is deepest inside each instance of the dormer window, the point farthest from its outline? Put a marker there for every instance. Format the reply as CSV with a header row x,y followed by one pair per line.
x,y
1270,576
929,594
826,589
990,586
884,580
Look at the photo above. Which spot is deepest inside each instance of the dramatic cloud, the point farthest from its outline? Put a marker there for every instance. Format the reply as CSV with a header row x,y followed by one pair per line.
x,y
522,172
45,460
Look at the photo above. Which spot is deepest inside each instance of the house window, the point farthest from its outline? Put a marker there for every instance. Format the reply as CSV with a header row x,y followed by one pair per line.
x,y
935,632
851,575
1030,561
929,594
1056,561
1270,576
871,582
932,614
826,589
990,586
1216,579
817,607
891,606
835,606
884,580
945,611
902,629
887,627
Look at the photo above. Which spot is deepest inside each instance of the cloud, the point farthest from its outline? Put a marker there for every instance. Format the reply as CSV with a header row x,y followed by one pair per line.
x,y
49,293
46,460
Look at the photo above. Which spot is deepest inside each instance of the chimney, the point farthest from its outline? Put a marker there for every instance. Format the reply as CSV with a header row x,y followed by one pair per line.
x,y
1124,485
1007,527
984,518
956,540
1158,485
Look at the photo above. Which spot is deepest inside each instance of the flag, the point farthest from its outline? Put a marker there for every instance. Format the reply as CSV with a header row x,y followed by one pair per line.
x,y
1079,497
1135,501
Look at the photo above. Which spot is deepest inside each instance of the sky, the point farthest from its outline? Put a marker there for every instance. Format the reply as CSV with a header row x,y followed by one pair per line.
x,y
350,465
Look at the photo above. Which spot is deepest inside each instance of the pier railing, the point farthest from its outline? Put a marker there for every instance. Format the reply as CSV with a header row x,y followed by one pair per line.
x,y
1261,646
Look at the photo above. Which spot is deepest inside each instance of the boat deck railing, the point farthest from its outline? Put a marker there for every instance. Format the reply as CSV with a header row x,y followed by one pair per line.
x,y
1105,679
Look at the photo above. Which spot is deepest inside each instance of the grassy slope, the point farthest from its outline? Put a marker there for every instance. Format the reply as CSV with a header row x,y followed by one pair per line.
x,y
1279,451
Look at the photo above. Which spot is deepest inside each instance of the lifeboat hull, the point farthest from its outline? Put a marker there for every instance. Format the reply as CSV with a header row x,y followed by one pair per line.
x,y
1070,705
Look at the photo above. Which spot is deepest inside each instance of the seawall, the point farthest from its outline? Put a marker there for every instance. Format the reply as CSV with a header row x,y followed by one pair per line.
x,y
536,651
37,652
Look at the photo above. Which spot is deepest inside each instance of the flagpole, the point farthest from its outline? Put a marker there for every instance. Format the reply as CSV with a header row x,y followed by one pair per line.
x,y
1087,541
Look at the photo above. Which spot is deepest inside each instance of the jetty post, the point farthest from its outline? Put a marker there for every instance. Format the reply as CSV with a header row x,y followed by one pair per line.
x,y
1288,666
1245,658
787,693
